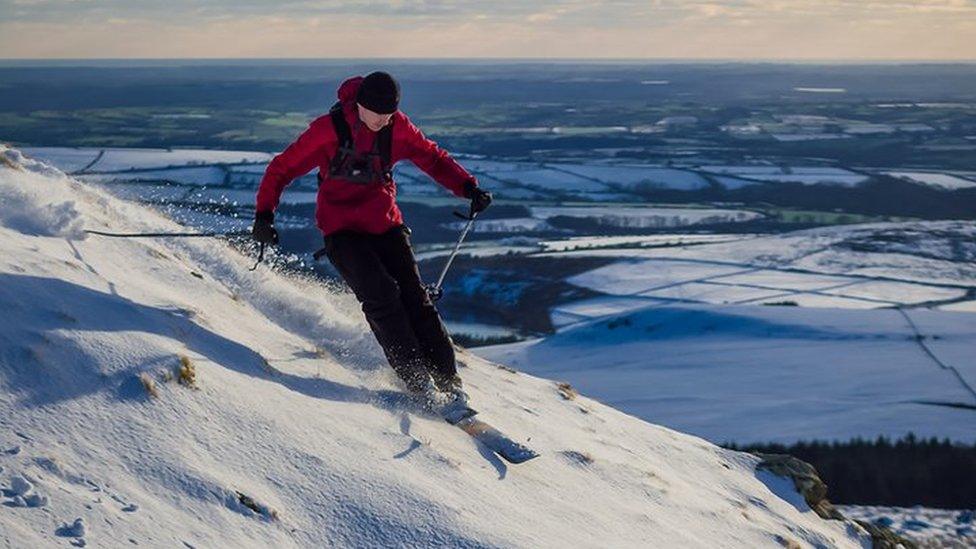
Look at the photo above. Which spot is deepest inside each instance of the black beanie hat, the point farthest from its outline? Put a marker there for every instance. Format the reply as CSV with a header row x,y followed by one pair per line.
x,y
379,93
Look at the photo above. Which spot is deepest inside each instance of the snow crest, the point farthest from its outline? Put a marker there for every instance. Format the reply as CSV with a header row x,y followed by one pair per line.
x,y
31,209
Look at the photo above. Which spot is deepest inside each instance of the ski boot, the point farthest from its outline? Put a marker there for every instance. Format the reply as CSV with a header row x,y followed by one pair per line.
x,y
453,389
425,391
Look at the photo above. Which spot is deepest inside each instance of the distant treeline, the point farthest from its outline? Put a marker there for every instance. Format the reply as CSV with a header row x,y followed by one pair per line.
x,y
474,340
906,472
880,196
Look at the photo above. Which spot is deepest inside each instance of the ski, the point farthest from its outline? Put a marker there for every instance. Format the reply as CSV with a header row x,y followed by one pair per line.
x,y
496,441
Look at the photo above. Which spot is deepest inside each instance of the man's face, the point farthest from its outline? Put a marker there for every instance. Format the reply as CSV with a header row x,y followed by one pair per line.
x,y
374,121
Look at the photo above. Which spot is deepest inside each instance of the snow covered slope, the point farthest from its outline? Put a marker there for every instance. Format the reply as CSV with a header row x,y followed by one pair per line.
x,y
760,374
291,431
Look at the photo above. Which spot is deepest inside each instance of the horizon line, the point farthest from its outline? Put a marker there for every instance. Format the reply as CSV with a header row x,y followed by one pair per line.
x,y
591,60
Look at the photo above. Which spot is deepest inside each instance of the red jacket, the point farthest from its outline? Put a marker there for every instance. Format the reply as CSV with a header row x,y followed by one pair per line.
x,y
342,205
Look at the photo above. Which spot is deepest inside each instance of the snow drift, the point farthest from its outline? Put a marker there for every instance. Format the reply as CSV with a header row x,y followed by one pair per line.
x,y
156,393
28,206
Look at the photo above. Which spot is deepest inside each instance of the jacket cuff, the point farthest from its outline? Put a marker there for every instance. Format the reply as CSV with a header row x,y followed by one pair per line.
x,y
469,186
265,216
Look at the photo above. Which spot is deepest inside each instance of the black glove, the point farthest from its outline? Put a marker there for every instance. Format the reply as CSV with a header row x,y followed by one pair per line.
x,y
480,198
264,231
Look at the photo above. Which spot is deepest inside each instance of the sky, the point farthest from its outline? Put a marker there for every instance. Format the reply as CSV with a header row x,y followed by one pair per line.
x,y
652,29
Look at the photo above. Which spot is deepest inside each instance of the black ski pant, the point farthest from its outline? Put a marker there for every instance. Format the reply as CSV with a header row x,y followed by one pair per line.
x,y
382,272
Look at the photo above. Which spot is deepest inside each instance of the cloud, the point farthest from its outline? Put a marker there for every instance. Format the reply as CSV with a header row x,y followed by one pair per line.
x,y
787,29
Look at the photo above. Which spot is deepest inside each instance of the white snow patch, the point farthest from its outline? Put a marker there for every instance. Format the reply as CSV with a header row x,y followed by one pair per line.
x,y
808,175
820,90
589,242
637,277
941,180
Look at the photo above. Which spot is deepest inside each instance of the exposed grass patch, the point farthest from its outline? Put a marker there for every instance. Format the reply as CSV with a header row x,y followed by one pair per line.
x,y
186,373
149,384
567,391
256,506
581,458
152,252
508,369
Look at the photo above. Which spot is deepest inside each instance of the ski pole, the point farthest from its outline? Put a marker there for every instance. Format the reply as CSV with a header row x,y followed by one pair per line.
x,y
182,235
165,235
435,291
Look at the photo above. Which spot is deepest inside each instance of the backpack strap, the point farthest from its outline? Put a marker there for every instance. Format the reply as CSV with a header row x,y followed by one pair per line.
x,y
385,140
382,146
344,134
340,124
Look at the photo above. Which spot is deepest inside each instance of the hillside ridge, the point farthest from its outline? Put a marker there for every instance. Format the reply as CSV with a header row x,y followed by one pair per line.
x,y
157,392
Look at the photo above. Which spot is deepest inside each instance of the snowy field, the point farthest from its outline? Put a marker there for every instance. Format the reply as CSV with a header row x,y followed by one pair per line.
x,y
67,159
629,175
186,171
290,432
596,180
807,175
113,159
209,177
882,264
192,175
544,179
681,336
935,179
600,181
591,242
742,283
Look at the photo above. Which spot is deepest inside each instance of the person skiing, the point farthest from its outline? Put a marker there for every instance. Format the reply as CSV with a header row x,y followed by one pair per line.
x,y
355,147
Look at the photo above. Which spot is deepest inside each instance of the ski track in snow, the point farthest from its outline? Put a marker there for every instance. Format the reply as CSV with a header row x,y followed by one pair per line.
x,y
294,434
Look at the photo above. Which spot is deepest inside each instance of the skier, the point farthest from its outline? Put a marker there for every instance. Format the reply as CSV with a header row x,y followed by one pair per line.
x,y
355,147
